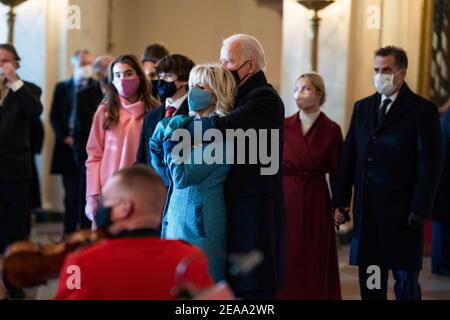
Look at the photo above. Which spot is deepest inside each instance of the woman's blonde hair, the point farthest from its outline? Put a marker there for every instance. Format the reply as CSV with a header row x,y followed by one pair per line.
x,y
318,83
221,82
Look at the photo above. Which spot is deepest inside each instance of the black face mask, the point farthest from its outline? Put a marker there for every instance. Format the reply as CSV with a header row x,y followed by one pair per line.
x,y
155,88
103,217
166,89
235,74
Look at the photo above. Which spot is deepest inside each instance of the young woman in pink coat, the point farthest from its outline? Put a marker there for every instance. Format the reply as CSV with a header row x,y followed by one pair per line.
x,y
114,136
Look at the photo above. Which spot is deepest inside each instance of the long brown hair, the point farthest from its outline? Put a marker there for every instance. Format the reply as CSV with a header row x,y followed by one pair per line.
x,y
111,99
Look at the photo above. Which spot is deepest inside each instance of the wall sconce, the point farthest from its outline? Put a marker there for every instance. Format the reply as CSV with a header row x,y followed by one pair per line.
x,y
316,6
11,17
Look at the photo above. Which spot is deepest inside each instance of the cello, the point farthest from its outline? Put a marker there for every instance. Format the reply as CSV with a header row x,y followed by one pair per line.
x,y
28,264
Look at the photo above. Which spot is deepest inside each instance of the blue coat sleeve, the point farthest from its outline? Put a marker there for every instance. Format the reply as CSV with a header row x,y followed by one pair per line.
x,y
157,152
195,164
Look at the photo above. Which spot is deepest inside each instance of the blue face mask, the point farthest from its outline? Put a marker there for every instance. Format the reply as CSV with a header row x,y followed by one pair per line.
x,y
199,99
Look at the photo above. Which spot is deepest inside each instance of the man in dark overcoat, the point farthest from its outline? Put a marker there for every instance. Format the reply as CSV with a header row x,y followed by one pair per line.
x,y
392,158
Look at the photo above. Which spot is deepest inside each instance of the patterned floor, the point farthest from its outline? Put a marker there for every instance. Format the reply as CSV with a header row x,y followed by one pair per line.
x,y
433,287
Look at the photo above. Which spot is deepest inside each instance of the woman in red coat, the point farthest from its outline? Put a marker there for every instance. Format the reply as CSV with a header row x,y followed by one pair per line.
x,y
312,144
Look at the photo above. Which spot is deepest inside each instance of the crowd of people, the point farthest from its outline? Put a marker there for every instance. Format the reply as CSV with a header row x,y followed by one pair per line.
x,y
117,124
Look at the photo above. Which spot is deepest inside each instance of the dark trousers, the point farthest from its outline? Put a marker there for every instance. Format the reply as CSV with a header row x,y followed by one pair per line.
x,y
440,249
13,212
84,222
34,195
71,184
406,286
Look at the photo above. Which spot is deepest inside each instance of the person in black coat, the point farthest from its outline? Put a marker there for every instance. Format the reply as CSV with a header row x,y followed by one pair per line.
x,y
63,119
173,71
87,102
392,158
19,107
440,246
255,201
36,143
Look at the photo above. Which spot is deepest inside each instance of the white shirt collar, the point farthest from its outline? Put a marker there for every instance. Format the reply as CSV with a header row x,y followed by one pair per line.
x,y
177,103
10,86
197,116
392,97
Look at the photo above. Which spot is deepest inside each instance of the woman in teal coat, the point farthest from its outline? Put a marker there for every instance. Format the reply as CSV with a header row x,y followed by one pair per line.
x,y
195,209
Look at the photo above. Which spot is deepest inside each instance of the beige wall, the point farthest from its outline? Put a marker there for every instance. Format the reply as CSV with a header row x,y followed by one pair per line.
x,y
92,34
400,26
196,28
333,53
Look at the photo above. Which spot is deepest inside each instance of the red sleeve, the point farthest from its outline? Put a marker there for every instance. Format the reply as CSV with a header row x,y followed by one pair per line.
x,y
198,274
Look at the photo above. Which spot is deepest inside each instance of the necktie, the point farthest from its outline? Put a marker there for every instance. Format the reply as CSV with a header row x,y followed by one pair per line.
x,y
170,111
73,111
382,111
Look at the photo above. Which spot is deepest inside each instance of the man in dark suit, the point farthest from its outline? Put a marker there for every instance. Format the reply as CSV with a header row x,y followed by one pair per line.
x,y
87,101
392,158
255,203
63,119
173,71
19,107
36,143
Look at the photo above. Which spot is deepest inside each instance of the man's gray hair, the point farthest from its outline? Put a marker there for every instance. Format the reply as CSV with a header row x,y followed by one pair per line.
x,y
251,48
76,56
102,62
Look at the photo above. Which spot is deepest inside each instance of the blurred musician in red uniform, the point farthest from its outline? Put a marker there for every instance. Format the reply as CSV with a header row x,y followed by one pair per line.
x,y
135,263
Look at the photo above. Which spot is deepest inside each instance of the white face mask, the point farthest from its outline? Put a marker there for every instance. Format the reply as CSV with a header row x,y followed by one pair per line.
x,y
304,102
84,72
384,83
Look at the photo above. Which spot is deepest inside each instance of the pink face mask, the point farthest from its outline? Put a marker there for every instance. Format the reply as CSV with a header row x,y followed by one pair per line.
x,y
127,87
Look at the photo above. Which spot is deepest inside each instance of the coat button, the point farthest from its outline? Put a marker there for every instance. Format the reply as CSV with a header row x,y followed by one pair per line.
x,y
369,160
166,223
374,138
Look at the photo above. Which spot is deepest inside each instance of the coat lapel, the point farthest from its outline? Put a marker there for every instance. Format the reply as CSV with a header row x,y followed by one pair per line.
x,y
162,113
184,108
373,114
71,89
